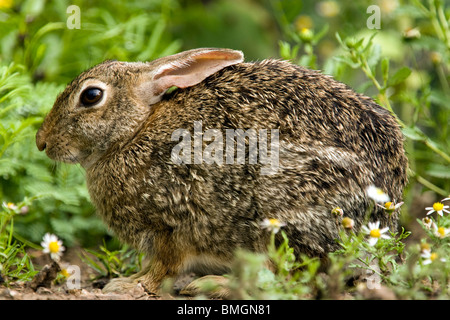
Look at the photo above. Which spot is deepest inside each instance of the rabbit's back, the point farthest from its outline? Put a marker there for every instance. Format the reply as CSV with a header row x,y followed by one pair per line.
x,y
333,143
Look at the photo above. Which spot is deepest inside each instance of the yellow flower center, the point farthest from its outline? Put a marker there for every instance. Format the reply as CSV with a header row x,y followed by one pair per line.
x,y
65,273
53,247
433,256
441,231
306,34
388,205
437,206
375,233
424,246
273,221
10,205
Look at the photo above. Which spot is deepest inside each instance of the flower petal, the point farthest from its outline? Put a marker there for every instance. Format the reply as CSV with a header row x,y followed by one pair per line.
x,y
374,225
399,204
46,237
373,241
384,230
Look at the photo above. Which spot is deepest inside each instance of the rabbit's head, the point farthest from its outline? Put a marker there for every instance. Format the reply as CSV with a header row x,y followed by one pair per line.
x,y
108,103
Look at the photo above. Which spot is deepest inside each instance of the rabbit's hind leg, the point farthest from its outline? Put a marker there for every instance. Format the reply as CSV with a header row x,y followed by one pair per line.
x,y
150,277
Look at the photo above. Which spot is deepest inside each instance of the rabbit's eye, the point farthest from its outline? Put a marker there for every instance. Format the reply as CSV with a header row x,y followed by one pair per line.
x,y
91,96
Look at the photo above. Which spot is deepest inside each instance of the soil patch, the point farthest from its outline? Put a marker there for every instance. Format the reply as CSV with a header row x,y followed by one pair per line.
x,y
45,287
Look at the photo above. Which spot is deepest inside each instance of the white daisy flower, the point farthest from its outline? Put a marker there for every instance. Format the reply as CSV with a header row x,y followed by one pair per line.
x,y
10,206
427,222
53,246
376,194
273,225
438,207
424,247
430,257
375,233
390,207
440,232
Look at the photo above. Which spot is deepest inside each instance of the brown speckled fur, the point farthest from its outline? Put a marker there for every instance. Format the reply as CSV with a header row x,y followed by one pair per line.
x,y
333,144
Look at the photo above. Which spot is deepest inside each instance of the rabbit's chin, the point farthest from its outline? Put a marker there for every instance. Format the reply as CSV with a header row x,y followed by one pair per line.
x,y
71,156
66,157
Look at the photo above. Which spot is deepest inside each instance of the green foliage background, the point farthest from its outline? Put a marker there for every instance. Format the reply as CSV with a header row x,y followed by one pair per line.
x,y
404,65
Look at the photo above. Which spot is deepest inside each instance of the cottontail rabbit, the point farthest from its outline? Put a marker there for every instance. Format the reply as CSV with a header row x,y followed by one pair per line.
x,y
162,167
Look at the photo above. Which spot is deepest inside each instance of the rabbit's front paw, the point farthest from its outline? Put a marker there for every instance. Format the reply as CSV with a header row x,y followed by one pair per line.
x,y
214,287
121,285
127,284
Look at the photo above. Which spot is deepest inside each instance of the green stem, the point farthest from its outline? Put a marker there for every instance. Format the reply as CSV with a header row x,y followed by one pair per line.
x,y
428,184
438,151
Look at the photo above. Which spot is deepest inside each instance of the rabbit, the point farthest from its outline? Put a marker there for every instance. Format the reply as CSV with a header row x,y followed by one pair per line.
x,y
119,119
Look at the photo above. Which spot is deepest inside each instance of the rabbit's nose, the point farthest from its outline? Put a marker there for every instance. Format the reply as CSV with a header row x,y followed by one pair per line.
x,y
42,146
40,141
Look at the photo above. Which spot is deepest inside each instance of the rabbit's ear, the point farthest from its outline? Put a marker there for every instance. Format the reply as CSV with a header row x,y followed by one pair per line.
x,y
187,69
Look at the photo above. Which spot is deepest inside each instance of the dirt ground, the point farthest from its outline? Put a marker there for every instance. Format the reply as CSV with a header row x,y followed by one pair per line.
x,y
42,287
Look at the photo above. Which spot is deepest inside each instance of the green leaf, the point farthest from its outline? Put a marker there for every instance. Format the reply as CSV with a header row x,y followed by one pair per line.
x,y
287,52
92,263
320,34
439,171
399,76
157,33
338,38
374,57
346,60
64,229
414,133
440,98
266,278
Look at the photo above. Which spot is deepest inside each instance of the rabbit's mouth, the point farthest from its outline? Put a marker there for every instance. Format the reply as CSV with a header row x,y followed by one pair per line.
x,y
57,153
58,150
